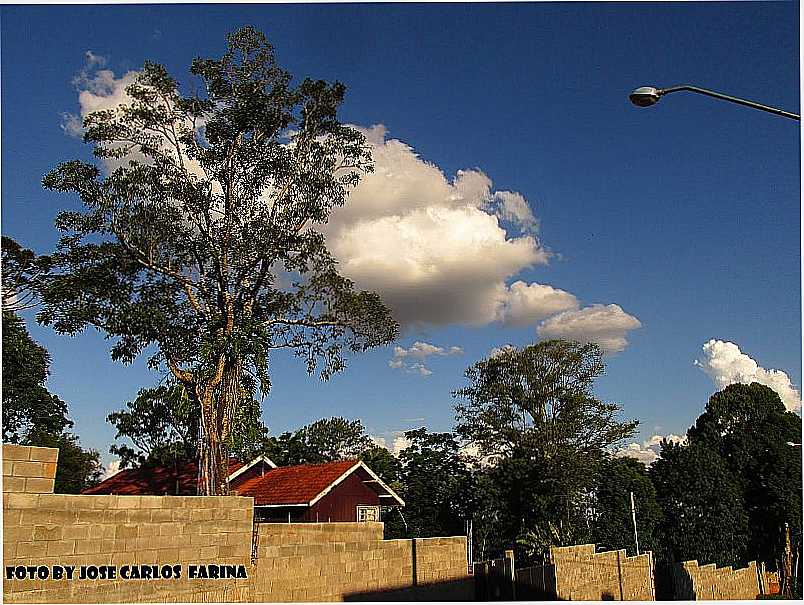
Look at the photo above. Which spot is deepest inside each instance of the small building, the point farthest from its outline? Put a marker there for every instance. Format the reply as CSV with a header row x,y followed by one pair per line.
x,y
345,490
180,479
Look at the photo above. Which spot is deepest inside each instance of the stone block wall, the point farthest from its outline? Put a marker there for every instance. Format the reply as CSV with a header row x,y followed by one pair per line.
x,y
29,470
295,562
581,574
708,582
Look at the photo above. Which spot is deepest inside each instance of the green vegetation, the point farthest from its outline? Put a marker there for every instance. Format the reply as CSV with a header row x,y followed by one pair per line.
x,y
201,238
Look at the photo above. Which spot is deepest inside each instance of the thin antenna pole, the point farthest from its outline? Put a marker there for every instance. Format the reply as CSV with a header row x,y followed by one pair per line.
x,y
633,517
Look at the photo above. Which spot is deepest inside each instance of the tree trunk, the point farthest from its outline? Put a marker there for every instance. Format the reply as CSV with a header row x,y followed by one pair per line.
x,y
212,463
217,413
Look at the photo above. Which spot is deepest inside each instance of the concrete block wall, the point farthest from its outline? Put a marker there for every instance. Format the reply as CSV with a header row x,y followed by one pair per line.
x,y
295,562
29,470
581,574
53,529
351,560
708,582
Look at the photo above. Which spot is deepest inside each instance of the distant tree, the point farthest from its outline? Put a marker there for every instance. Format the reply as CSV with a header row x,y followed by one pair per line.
x,y
324,440
612,523
202,242
533,413
539,396
162,426
749,427
437,484
27,404
77,469
704,516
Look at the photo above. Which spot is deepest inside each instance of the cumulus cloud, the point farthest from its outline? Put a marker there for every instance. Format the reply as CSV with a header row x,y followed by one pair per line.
x,y
607,325
528,303
433,247
726,364
512,207
647,451
412,360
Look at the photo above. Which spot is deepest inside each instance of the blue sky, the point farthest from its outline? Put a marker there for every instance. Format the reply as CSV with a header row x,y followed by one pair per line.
x,y
685,215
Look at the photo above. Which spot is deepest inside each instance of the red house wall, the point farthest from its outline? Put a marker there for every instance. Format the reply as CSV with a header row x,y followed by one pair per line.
x,y
340,504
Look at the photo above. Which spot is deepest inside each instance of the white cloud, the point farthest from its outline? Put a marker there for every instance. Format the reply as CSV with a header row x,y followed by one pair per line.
x,y
412,360
726,364
111,469
93,60
528,303
514,208
648,450
607,325
432,247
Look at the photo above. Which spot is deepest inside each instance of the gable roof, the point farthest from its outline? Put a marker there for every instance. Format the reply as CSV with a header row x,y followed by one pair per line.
x,y
156,480
305,484
235,473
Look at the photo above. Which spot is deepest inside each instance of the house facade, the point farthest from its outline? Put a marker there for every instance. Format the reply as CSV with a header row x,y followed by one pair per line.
x,y
341,491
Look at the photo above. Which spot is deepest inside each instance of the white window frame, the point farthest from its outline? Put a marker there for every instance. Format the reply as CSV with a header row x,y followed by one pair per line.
x,y
366,508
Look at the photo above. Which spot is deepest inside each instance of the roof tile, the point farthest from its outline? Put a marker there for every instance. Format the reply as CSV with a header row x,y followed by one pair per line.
x,y
293,484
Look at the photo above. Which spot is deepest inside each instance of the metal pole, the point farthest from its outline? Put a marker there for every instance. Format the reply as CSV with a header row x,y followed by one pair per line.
x,y
722,97
633,517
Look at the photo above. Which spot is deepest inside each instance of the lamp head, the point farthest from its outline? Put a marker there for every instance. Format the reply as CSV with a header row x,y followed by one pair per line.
x,y
645,96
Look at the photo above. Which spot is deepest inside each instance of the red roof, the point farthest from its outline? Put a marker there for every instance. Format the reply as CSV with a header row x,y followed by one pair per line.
x,y
156,480
293,484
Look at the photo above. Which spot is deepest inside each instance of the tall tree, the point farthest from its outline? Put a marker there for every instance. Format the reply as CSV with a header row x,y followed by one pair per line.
x,y
532,412
27,404
749,427
437,484
613,524
703,510
541,394
202,240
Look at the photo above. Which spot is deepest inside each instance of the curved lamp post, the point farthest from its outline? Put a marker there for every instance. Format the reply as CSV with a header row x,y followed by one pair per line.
x,y
645,96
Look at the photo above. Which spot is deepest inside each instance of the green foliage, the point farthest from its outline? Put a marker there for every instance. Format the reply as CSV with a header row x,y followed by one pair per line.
x,y
703,508
162,426
77,469
539,397
324,440
749,427
28,406
532,412
612,525
384,464
22,273
203,240
437,484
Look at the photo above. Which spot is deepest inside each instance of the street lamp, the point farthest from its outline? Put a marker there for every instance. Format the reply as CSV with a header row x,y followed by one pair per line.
x,y
645,96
